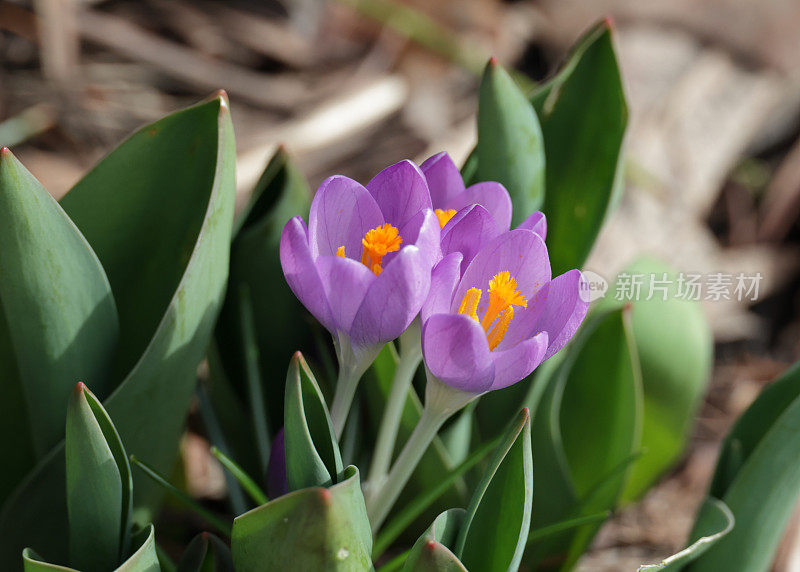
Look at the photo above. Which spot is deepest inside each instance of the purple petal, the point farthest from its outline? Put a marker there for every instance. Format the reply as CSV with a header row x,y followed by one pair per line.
x,y
346,282
341,214
519,361
520,252
467,232
444,279
537,223
444,179
401,192
564,309
393,299
456,352
490,195
423,231
277,482
301,272
557,309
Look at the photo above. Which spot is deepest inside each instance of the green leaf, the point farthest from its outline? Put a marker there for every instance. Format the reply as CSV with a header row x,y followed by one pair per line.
x,y
99,485
281,323
206,553
763,491
32,562
673,388
149,406
144,558
242,478
432,553
510,148
312,453
585,433
181,496
495,529
583,114
142,207
60,319
415,508
714,520
310,529
752,427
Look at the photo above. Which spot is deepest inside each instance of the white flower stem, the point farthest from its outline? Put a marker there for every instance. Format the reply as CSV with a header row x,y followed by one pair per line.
x,y
346,386
441,402
380,503
410,356
351,367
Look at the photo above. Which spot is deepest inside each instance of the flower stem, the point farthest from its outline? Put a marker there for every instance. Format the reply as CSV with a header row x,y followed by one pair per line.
x,y
390,424
379,504
346,386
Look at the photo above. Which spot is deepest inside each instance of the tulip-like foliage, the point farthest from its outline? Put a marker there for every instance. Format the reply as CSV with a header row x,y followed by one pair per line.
x,y
492,326
99,496
362,265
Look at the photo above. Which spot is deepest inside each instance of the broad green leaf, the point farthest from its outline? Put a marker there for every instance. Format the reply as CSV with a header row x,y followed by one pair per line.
x,y
99,485
206,553
666,326
280,321
714,520
143,559
495,529
763,492
583,114
59,314
141,208
312,453
586,433
752,426
32,562
149,406
432,552
510,148
310,529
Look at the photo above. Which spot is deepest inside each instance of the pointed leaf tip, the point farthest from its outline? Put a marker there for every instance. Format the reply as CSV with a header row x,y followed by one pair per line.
x,y
493,61
608,22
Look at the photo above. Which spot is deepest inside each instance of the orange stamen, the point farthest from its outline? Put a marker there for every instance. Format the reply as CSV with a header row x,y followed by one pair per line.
x,y
496,335
377,243
469,305
340,251
503,296
444,216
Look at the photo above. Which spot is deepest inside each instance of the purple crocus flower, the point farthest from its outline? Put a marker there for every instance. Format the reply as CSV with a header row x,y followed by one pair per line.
x,y
277,482
471,217
493,324
362,267
449,196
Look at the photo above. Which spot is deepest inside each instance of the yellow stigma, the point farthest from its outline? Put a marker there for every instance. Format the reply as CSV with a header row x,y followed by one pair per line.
x,y
377,243
444,216
340,251
503,296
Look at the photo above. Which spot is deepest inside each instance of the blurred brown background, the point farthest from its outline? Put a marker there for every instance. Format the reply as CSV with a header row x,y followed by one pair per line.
x,y
349,86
